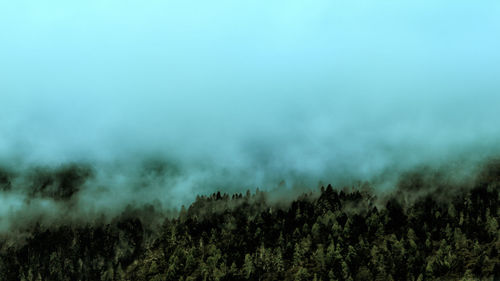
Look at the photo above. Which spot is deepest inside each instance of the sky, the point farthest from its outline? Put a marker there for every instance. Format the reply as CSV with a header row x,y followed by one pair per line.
x,y
245,94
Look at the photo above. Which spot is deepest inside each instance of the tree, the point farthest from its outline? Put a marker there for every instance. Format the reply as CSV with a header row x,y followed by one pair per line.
x,y
248,267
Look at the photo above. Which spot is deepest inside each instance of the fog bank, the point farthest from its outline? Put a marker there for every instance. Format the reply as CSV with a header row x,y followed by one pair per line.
x,y
169,99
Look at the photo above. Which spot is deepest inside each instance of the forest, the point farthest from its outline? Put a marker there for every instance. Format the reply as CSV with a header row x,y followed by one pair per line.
x,y
424,228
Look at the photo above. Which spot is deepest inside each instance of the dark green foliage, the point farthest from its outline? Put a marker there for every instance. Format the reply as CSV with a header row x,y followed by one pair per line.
x,y
332,235
5,179
59,184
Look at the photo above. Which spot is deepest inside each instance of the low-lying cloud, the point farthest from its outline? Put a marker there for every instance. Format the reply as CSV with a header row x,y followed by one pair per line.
x,y
158,102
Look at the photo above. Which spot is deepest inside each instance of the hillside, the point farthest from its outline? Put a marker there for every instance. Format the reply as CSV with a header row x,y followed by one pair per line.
x,y
441,232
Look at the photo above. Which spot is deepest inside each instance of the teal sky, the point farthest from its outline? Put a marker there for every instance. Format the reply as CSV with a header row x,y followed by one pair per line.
x,y
272,87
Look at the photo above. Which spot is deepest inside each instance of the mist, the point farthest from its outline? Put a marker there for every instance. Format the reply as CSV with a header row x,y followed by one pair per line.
x,y
166,100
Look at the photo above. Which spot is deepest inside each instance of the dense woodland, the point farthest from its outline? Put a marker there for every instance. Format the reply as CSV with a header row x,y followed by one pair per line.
x,y
424,230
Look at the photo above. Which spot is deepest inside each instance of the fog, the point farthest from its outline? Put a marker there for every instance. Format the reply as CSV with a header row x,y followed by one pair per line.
x,y
234,95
